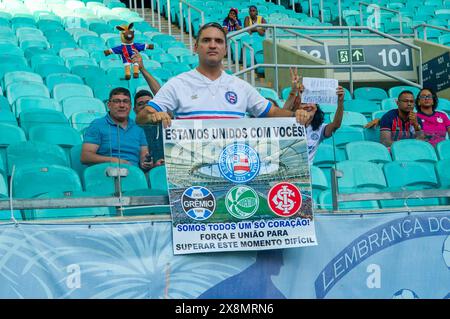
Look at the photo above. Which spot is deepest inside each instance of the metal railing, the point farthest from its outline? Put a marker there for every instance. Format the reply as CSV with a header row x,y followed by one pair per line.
x,y
350,66
189,7
425,26
378,8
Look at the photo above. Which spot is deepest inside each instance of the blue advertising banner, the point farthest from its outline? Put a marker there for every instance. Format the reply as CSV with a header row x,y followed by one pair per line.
x,y
396,255
238,185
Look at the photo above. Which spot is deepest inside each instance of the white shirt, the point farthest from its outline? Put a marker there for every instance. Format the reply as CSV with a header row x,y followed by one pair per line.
x,y
314,138
191,95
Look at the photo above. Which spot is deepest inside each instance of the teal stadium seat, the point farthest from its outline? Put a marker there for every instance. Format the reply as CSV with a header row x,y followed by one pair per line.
x,y
96,180
9,134
66,90
353,119
366,107
319,183
64,136
77,104
85,71
45,69
21,76
396,90
413,150
443,149
20,89
389,104
410,175
353,180
344,135
63,213
36,179
35,103
325,202
58,78
26,153
45,58
443,172
158,178
32,118
368,151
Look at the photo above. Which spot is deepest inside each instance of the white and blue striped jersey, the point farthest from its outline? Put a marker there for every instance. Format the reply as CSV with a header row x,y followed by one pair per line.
x,y
191,95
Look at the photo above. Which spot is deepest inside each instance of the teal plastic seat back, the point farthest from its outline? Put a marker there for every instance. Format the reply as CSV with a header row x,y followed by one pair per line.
x,y
75,161
361,106
325,156
35,179
63,213
86,71
19,76
59,78
406,173
354,119
65,90
31,118
45,69
158,178
9,134
360,174
96,180
77,104
367,151
318,179
325,201
413,150
389,104
443,149
19,89
27,103
64,136
396,90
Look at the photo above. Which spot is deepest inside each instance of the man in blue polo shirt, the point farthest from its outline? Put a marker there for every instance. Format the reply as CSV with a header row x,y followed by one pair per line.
x,y
116,138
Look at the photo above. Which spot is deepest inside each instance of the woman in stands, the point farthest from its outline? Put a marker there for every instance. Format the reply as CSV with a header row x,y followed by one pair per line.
x,y
312,116
231,22
435,124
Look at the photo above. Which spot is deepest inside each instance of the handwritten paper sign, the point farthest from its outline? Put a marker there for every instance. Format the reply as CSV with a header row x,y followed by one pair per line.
x,y
319,91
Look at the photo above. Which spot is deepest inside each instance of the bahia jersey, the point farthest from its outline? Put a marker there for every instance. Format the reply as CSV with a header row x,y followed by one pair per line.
x,y
125,50
191,95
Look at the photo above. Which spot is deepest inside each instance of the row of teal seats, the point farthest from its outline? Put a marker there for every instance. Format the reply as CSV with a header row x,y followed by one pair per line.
x,y
390,177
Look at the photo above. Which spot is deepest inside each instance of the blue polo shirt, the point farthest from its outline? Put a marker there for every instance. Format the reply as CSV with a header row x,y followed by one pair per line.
x,y
107,134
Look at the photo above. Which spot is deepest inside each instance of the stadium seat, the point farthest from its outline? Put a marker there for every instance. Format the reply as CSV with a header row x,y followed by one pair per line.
x,y
410,175
353,119
85,71
21,76
58,78
443,173
19,89
25,153
9,134
75,161
443,149
346,135
158,178
354,180
78,104
370,93
45,69
389,104
31,118
35,102
319,183
413,150
64,136
396,90
63,213
45,58
72,52
66,90
325,202
35,179
96,180
365,107
368,151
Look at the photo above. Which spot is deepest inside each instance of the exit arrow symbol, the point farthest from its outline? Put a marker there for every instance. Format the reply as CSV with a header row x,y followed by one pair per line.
x,y
357,55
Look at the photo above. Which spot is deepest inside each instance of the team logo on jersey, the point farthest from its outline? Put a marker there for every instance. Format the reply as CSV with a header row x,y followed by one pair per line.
x,y
314,136
440,120
198,203
242,202
239,163
231,97
284,199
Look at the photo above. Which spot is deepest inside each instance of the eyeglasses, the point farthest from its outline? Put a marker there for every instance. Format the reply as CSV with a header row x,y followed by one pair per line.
x,y
407,101
141,103
118,101
423,97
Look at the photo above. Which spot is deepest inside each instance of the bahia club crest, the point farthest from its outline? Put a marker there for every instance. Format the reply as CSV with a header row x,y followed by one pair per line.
x,y
239,163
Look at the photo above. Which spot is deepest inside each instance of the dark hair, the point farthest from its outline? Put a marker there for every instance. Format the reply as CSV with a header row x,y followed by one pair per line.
x,y
252,6
435,99
119,90
211,25
141,93
405,92
318,118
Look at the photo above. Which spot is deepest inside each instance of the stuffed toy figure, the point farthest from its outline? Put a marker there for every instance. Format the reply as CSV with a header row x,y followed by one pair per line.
x,y
125,50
